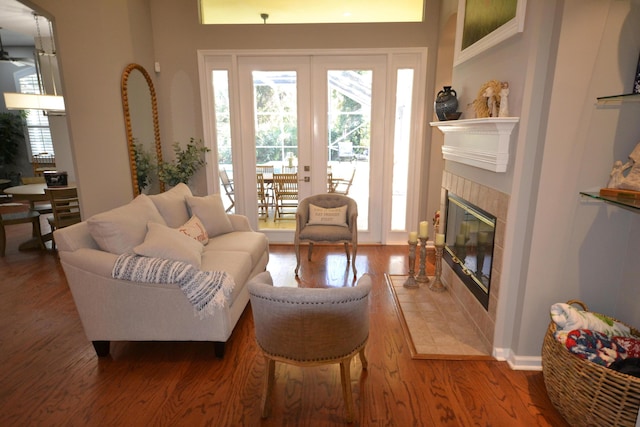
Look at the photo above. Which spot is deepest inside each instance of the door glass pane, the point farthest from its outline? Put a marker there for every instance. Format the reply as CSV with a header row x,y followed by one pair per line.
x,y
276,131
223,137
349,133
401,144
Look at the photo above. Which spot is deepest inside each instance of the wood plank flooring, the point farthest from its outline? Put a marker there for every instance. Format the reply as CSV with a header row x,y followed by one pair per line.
x,y
50,375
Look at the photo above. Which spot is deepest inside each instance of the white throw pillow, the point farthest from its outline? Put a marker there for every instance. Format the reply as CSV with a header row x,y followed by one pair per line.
x,y
120,229
195,229
327,216
169,243
172,205
211,212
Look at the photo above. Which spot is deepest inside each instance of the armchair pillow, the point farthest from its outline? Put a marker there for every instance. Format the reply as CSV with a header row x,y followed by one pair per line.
x,y
121,229
211,211
327,216
169,243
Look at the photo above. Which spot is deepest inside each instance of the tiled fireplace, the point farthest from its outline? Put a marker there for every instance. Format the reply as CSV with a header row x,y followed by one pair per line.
x,y
495,203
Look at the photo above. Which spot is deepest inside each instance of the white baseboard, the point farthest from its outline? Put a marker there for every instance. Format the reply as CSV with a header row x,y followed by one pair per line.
x,y
518,363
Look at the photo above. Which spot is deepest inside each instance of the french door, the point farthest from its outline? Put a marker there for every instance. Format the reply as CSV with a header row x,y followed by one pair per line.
x,y
348,119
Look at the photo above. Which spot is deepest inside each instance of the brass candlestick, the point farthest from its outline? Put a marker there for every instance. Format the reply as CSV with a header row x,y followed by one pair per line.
x,y
422,273
437,285
411,280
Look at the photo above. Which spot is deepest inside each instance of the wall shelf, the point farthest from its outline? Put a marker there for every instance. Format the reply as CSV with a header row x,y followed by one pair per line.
x,y
623,202
628,97
483,143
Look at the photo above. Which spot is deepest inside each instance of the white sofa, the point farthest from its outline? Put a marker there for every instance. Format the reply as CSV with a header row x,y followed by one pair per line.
x,y
119,310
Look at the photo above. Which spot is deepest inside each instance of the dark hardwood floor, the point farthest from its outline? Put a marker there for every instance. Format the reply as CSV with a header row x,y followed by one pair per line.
x,y
50,375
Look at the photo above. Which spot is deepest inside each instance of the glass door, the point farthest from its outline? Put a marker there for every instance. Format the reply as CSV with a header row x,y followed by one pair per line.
x,y
339,122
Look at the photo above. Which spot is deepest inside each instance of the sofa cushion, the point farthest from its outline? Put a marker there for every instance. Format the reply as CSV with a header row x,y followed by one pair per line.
x,y
169,243
235,263
172,205
211,211
195,229
120,229
255,244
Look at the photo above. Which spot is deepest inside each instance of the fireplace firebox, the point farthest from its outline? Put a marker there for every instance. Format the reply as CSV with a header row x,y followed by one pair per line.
x,y
469,240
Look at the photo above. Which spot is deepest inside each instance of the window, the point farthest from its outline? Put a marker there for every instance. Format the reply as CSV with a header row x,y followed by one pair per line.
x,y
39,135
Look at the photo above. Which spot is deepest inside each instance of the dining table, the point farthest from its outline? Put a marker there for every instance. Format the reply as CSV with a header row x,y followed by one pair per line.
x,y
32,193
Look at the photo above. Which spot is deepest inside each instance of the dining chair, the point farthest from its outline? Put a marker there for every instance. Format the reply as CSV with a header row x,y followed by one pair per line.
x,y
227,184
310,327
327,218
263,205
65,207
285,188
267,172
18,213
43,162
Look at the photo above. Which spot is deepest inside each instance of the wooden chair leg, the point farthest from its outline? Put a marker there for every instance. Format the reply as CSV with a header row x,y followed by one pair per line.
x,y
353,259
346,251
310,251
296,244
345,379
363,359
269,375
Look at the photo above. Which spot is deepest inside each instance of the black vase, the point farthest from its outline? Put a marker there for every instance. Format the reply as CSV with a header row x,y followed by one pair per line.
x,y
446,102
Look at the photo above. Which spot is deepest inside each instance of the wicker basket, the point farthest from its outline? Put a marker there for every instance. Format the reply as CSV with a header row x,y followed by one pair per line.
x,y
585,393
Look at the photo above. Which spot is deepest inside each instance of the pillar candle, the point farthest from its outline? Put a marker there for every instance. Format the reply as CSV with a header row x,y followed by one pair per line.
x,y
424,229
413,237
439,239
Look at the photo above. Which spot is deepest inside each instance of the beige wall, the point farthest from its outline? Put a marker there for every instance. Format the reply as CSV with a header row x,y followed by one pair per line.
x,y
98,38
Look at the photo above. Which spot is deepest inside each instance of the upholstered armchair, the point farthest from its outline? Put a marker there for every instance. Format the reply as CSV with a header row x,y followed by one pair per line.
x,y
310,327
327,218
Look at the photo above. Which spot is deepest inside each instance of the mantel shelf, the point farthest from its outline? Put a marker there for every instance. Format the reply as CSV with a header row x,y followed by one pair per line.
x,y
483,143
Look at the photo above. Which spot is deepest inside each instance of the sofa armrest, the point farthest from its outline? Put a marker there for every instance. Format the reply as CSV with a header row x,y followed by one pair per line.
x,y
239,222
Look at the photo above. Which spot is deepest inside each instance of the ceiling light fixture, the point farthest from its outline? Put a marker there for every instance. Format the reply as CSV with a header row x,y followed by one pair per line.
x,y
264,17
38,101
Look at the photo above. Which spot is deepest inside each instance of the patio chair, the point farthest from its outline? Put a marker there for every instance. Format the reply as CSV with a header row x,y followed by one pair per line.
x,y
285,188
227,184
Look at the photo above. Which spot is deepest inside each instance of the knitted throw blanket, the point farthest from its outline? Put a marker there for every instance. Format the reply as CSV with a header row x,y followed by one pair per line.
x,y
202,288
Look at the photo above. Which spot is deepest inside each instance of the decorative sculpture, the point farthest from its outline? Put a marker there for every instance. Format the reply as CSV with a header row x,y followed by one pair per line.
x,y
632,180
504,100
487,103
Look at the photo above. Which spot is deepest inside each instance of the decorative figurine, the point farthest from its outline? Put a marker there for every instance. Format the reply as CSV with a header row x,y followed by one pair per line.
x,y
504,100
632,180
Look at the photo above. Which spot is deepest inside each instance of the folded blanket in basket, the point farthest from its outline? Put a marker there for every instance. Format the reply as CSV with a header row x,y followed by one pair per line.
x,y
202,288
568,318
595,347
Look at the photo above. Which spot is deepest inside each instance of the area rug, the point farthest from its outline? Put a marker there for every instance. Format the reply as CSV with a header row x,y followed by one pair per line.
x,y
434,326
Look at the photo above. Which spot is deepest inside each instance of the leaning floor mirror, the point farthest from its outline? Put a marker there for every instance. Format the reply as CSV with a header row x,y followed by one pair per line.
x,y
143,130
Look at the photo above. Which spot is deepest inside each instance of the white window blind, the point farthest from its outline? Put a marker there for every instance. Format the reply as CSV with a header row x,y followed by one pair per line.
x,y
39,135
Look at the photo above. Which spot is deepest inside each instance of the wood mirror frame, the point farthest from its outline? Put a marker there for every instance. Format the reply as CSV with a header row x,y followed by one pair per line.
x,y
138,106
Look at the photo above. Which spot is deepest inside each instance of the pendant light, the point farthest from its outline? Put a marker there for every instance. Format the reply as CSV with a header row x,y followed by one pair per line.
x,y
38,101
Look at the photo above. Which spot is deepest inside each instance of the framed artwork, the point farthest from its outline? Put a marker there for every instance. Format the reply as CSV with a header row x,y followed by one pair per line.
x,y
485,23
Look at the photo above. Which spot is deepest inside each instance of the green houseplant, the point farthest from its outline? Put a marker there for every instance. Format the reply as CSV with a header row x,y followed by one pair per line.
x,y
11,135
186,164
145,166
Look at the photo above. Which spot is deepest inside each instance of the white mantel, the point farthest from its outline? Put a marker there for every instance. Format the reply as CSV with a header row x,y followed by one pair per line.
x,y
483,143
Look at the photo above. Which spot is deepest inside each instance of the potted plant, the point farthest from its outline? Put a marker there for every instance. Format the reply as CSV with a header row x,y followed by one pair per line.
x,y
186,164
11,135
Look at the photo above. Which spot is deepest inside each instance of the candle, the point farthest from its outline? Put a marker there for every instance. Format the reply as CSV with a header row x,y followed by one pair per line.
x,y
439,239
424,229
413,237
